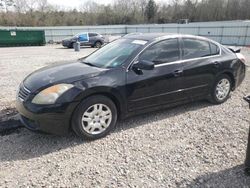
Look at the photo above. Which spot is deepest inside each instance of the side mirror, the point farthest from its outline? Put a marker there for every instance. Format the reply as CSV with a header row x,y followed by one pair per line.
x,y
144,65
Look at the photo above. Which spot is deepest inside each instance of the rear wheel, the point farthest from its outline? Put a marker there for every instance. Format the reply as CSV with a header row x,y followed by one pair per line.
x,y
247,171
95,117
221,89
98,44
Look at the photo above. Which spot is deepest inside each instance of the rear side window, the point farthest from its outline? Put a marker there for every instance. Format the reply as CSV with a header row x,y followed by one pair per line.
x,y
92,34
162,52
214,49
194,48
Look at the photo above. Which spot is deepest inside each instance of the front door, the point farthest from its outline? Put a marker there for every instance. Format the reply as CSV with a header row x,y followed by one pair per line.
x,y
84,39
163,84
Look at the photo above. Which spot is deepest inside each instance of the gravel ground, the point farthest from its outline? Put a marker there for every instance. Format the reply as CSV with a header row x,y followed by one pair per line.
x,y
194,145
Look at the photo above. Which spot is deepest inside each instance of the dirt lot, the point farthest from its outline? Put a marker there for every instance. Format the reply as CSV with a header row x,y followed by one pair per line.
x,y
195,145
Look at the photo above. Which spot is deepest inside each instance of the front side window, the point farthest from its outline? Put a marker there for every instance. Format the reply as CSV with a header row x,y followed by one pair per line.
x,y
194,48
81,34
162,52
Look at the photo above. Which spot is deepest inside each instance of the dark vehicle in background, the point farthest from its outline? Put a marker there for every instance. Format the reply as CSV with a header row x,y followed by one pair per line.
x,y
85,39
132,75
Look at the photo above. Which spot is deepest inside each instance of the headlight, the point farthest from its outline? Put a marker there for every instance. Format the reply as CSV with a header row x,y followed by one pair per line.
x,y
51,94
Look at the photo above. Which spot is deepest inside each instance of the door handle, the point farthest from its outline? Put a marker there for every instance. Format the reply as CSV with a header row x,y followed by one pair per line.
x,y
177,73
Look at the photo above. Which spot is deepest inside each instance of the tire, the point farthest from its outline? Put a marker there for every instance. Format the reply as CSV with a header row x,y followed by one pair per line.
x,y
217,94
71,45
88,123
98,44
247,171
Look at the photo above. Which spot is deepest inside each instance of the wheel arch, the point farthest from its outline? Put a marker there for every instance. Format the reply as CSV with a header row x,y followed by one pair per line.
x,y
98,41
110,93
231,76
113,98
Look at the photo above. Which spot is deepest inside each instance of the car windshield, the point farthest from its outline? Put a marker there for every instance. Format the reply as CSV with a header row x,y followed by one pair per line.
x,y
114,54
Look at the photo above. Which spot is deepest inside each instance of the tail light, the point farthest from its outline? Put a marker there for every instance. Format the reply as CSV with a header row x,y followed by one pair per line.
x,y
241,57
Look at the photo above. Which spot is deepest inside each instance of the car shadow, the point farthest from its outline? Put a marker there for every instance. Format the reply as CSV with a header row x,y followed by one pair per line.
x,y
232,177
158,115
23,144
65,48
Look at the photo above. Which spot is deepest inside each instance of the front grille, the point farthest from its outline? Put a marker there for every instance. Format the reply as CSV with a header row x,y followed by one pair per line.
x,y
23,93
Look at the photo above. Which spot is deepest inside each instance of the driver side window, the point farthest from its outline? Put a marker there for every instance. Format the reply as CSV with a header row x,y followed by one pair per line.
x,y
162,52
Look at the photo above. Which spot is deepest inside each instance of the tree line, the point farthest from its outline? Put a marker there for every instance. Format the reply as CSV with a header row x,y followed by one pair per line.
x,y
41,13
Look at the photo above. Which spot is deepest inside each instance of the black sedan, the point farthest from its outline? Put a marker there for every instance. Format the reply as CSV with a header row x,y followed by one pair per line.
x,y
134,74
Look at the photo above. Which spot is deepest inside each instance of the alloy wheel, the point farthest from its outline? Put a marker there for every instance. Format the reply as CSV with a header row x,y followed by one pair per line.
x,y
222,89
98,44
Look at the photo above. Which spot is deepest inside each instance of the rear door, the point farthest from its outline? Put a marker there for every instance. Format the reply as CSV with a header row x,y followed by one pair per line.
x,y
201,62
92,38
159,86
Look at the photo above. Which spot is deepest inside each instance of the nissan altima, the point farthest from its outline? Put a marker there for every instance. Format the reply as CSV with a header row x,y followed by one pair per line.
x,y
135,74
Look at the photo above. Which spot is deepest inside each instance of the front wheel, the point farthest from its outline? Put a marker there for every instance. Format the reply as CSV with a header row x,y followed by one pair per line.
x,y
221,89
71,45
247,171
95,117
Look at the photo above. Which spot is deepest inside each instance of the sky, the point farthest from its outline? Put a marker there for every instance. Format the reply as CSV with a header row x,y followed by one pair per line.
x,y
71,4
75,3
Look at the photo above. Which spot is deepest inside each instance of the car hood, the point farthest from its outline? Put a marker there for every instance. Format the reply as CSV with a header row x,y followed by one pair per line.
x,y
62,73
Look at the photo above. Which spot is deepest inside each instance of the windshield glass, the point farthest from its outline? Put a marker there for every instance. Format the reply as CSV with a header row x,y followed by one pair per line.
x,y
114,54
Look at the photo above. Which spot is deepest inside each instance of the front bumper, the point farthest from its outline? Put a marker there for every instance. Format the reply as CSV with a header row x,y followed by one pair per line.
x,y
54,119
66,43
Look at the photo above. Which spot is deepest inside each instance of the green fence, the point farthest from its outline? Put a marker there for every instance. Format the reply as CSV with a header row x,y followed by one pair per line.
x,y
22,38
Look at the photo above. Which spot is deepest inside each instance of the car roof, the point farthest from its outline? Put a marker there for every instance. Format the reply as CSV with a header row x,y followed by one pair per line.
x,y
87,33
147,36
159,36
